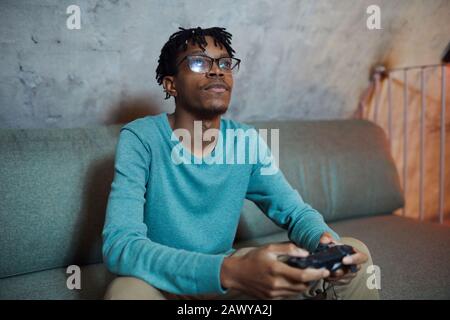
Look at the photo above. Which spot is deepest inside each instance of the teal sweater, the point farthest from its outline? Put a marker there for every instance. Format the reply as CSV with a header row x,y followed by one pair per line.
x,y
172,225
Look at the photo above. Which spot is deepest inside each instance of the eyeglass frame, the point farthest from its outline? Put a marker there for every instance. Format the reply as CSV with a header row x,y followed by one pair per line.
x,y
214,60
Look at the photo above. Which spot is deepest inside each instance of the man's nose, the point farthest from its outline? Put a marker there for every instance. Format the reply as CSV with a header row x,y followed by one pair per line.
x,y
215,70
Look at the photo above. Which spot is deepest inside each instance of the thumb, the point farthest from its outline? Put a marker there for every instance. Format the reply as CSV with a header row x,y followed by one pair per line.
x,y
326,238
287,249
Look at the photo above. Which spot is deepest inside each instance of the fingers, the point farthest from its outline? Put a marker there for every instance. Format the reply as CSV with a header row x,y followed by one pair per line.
x,y
337,274
340,282
283,284
287,249
341,276
344,272
345,279
356,258
300,275
282,288
326,238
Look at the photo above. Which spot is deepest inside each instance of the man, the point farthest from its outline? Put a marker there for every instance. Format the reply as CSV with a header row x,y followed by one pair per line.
x,y
170,225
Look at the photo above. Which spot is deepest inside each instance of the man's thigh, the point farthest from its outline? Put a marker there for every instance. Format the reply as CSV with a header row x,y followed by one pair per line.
x,y
130,288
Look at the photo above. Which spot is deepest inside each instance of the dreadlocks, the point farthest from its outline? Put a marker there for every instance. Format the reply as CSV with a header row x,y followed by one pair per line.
x,y
178,41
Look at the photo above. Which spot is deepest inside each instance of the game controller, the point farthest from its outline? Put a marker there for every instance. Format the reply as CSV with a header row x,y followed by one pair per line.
x,y
325,256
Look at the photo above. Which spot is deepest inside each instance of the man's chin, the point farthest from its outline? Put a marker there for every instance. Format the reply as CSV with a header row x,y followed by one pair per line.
x,y
209,113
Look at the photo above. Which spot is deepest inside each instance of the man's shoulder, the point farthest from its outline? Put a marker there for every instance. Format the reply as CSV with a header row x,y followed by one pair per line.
x,y
146,129
143,123
143,126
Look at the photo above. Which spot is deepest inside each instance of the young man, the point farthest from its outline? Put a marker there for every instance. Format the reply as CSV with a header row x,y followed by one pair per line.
x,y
170,225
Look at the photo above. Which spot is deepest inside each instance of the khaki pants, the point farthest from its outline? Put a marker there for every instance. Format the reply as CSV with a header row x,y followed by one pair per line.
x,y
125,288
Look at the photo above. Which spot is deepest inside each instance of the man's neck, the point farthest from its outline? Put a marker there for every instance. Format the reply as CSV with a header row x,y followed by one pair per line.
x,y
181,119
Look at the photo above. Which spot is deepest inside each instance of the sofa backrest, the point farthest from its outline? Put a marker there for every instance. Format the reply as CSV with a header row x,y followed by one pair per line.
x,y
342,168
54,185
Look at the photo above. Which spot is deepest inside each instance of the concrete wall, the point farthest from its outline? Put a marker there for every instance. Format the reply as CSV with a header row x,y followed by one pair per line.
x,y
301,59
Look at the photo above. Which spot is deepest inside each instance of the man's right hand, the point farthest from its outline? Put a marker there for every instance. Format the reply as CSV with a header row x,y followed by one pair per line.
x,y
260,274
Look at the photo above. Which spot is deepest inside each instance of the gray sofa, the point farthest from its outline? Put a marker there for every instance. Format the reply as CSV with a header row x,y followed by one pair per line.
x,y
55,183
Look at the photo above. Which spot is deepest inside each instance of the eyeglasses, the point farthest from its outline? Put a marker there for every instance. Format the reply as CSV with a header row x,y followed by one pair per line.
x,y
203,64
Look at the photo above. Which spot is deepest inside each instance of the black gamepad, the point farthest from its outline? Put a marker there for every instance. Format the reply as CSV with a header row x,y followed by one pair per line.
x,y
325,256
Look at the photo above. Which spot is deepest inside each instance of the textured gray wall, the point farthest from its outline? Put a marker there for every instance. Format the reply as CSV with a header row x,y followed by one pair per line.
x,y
301,59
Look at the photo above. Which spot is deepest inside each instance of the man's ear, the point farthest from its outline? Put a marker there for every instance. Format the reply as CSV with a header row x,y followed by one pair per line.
x,y
169,85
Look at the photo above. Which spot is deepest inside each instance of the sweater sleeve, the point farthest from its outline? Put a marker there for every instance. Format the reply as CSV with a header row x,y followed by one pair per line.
x,y
272,193
127,250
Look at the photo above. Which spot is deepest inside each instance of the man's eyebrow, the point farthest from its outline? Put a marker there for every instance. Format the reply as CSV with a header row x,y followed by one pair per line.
x,y
223,55
198,51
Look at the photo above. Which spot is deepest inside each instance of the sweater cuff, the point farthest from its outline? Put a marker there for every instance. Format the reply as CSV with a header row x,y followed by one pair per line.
x,y
208,275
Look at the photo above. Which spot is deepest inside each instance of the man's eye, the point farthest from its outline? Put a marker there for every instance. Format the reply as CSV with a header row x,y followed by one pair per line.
x,y
225,63
199,63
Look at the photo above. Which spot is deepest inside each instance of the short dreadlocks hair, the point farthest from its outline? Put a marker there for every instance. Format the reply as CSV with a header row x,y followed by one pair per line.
x,y
178,42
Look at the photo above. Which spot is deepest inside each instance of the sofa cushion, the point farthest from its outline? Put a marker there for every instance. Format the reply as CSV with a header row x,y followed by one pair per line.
x,y
342,168
53,194
51,284
413,256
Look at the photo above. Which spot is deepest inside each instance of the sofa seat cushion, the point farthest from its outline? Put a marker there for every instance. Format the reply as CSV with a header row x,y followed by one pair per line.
x,y
51,284
414,257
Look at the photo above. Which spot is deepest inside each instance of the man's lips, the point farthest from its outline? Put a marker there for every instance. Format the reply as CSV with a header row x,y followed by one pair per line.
x,y
216,87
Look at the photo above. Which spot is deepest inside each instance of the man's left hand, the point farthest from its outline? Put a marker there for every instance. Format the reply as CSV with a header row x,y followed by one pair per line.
x,y
344,276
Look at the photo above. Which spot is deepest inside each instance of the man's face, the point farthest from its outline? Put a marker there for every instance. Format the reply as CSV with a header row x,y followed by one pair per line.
x,y
192,88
